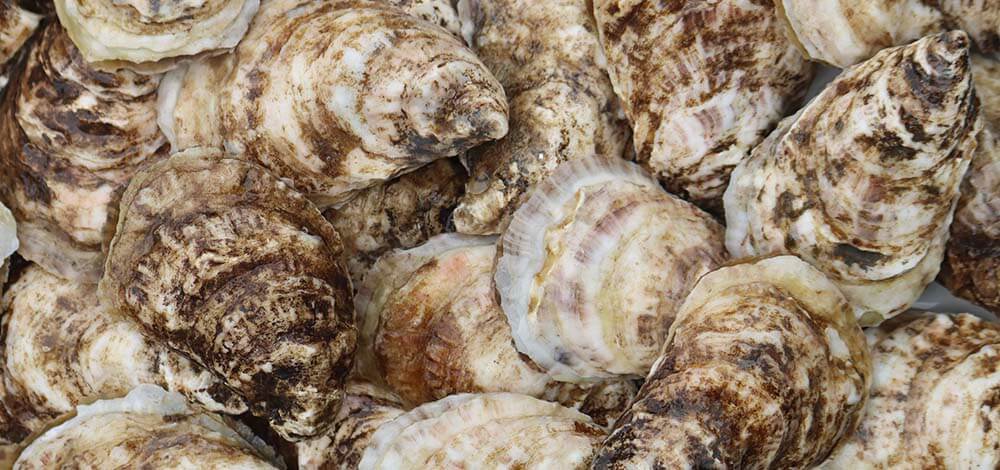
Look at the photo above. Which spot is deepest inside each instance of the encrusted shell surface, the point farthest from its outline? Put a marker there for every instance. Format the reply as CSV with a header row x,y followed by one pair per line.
x,y
71,137
148,428
934,396
484,431
336,96
594,264
227,264
16,27
562,106
61,347
702,83
765,367
862,182
152,35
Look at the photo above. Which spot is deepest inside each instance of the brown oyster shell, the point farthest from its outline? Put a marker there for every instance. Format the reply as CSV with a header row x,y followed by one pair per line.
x,y
16,27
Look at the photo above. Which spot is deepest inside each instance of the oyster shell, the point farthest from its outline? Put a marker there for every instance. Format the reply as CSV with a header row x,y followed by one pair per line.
x,y
862,182
484,431
225,263
562,107
150,35
336,96
71,137
765,367
61,348
702,84
972,263
148,428
594,265
16,27
933,399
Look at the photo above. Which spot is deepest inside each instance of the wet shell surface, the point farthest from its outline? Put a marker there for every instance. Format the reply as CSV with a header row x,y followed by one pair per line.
x,y
153,35
71,137
593,267
336,96
934,396
148,428
484,431
225,263
702,83
765,367
16,27
862,182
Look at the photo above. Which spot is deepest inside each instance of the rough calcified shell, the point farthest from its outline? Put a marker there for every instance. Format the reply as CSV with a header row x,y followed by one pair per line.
x,y
702,83
845,32
16,26
972,262
148,428
337,96
440,12
594,264
484,431
862,182
933,399
71,138
401,213
562,107
152,35
225,263
765,367
61,347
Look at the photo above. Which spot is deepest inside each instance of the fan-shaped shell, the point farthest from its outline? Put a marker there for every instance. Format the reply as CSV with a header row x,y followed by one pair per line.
x,y
225,263
765,367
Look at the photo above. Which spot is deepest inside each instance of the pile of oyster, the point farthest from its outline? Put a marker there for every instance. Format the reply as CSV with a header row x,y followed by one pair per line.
x,y
394,234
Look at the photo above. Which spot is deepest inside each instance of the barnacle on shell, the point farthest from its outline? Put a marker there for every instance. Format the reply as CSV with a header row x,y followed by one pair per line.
x,y
227,264
16,27
765,367
562,106
933,397
484,431
845,32
71,137
594,264
862,182
702,84
152,35
61,347
373,92
148,428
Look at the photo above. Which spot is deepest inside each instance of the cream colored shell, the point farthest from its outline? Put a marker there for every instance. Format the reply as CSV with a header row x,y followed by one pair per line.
x,y
8,241
16,27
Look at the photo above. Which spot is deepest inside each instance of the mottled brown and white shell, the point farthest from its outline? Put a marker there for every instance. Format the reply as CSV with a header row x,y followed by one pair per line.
x,y
702,83
934,396
152,35
16,27
492,430
765,367
972,259
61,348
227,264
845,32
594,264
71,137
336,96
148,428
562,106
862,182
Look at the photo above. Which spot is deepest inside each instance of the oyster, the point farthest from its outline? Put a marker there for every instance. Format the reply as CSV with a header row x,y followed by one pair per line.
x,y
972,263
765,367
862,182
225,263
702,84
562,107
933,400
484,431
148,428
336,96
150,35
16,27
845,32
71,137
595,263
